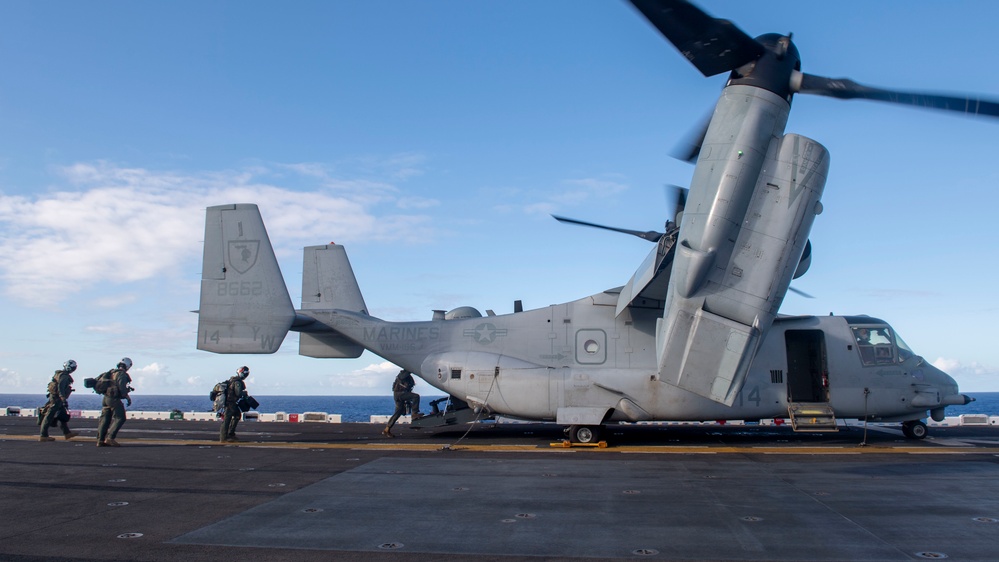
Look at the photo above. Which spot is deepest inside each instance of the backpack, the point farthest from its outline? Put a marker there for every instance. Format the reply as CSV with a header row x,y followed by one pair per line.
x,y
218,395
53,388
103,382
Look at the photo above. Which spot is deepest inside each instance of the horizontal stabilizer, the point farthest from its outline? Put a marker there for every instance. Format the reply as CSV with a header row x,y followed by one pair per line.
x,y
245,307
328,345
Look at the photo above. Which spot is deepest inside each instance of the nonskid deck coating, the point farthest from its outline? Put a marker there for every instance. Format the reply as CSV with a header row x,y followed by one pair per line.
x,y
343,491
731,510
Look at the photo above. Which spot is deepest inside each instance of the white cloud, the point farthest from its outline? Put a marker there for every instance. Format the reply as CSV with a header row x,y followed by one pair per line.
x,y
155,378
377,376
951,366
417,203
404,166
113,225
400,166
115,328
585,188
971,377
571,193
542,208
116,301
11,380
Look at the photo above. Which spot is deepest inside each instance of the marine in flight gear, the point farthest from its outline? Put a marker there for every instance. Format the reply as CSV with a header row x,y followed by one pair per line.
x,y
235,391
402,392
112,409
56,410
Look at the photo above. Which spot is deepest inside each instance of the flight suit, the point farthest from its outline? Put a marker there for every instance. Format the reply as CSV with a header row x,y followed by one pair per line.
x,y
112,409
402,392
231,413
57,408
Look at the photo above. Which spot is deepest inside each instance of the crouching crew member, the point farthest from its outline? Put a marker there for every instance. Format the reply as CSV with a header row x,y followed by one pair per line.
x,y
402,392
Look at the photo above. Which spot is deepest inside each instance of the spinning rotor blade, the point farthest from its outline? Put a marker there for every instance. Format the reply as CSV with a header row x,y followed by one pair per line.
x,y
716,45
800,292
690,148
681,201
677,197
651,235
710,44
844,88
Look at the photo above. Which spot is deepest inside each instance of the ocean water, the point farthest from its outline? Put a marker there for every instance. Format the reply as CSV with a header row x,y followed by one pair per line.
x,y
351,408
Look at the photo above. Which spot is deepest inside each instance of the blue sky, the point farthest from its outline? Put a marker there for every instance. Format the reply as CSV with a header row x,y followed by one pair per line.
x,y
433,139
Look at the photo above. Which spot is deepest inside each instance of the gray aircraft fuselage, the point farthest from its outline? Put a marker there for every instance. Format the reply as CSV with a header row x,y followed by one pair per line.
x,y
576,363
583,363
694,335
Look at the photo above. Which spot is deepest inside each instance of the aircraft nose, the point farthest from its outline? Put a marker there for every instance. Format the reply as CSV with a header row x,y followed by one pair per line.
x,y
950,394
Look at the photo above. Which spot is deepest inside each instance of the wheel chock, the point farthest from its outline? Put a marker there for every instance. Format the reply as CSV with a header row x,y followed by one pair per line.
x,y
566,444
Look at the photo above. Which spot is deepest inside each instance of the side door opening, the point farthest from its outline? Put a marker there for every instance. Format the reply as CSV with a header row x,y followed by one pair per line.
x,y
808,381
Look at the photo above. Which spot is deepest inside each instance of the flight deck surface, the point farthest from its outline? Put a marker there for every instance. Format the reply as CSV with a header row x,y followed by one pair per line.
x,y
310,491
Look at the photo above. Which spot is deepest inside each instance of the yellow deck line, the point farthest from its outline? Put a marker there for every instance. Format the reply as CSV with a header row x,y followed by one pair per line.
x,y
542,448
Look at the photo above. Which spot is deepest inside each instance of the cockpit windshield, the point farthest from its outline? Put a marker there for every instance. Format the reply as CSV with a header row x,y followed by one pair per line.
x,y
904,351
877,347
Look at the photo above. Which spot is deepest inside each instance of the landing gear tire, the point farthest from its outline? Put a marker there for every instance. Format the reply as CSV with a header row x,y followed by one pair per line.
x,y
584,433
915,429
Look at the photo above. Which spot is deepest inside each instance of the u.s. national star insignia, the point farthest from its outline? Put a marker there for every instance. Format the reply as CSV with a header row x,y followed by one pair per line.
x,y
485,333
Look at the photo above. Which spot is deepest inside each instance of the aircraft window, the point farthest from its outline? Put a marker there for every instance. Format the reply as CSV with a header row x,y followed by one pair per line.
x,y
875,345
591,347
904,351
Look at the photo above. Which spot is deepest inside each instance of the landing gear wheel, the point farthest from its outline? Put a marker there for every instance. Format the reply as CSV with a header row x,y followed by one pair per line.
x,y
584,433
915,429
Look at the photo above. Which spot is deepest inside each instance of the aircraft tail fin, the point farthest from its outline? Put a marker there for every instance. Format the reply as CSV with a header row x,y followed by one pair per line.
x,y
328,283
328,280
245,306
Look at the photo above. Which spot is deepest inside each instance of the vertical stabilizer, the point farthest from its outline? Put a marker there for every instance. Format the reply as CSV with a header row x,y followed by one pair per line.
x,y
328,283
245,307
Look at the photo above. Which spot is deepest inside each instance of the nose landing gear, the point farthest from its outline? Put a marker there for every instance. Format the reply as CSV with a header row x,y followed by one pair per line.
x,y
915,429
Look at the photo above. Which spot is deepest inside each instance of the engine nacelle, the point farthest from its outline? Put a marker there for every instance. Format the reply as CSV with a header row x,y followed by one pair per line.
x,y
743,238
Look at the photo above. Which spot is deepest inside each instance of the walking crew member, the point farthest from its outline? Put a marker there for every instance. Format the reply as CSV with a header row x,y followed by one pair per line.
x,y
235,391
56,410
112,410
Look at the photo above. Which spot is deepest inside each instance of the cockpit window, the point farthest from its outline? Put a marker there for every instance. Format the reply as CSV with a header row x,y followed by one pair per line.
x,y
904,351
875,345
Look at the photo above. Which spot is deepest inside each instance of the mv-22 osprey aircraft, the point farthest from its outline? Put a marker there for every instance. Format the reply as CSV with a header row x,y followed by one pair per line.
x,y
693,335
